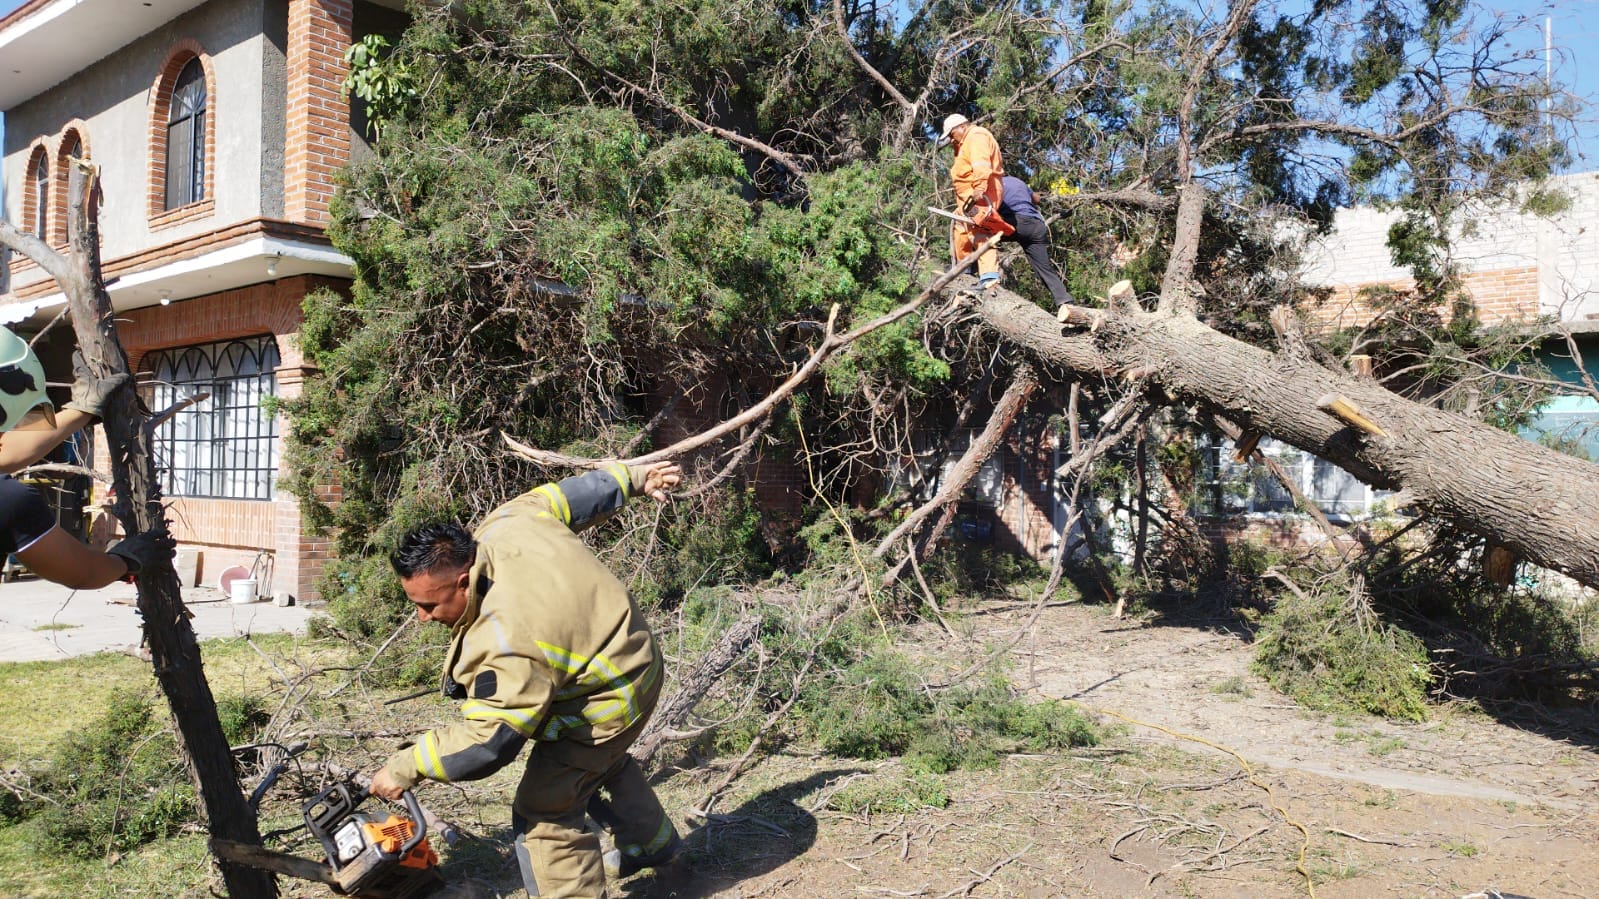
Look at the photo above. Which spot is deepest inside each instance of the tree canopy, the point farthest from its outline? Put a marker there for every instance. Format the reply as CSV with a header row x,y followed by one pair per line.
x,y
583,213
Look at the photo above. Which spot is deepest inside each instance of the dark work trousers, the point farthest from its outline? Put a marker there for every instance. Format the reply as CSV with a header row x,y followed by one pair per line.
x,y
1033,235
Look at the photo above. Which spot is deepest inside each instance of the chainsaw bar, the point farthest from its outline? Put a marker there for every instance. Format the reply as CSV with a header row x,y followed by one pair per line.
x,y
274,861
955,216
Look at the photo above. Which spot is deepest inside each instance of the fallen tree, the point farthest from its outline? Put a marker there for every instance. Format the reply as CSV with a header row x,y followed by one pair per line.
x,y
1527,497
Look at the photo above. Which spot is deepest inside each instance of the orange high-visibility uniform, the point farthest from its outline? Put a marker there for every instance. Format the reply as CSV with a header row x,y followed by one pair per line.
x,y
976,174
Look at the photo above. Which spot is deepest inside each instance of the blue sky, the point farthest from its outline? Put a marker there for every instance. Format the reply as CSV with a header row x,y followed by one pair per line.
x,y
1575,60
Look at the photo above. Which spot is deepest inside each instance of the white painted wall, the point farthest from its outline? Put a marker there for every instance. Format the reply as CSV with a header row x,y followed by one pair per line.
x,y
1564,249
113,97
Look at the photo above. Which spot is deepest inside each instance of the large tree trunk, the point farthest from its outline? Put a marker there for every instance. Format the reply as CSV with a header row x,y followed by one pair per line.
x,y
1537,502
174,652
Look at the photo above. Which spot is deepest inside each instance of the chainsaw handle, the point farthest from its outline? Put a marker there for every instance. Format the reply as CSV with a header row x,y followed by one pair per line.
x,y
415,808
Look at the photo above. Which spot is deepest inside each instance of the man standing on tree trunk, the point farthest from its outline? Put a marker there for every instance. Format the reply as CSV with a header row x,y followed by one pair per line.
x,y
975,174
546,646
1019,207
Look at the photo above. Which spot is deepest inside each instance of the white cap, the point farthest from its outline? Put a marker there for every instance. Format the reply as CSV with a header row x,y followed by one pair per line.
x,y
951,122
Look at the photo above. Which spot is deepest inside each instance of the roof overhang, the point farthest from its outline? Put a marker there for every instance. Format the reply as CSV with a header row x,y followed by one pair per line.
x,y
44,42
239,265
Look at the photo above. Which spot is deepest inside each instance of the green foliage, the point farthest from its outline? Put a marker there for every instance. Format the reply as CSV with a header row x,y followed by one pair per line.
x,y
114,783
1493,644
898,792
1326,654
716,541
386,86
242,717
890,712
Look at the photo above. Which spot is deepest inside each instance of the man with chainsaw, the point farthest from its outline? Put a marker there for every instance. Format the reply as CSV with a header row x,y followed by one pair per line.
x,y
975,174
546,647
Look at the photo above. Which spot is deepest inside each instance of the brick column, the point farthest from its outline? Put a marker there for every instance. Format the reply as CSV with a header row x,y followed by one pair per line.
x,y
318,142
300,554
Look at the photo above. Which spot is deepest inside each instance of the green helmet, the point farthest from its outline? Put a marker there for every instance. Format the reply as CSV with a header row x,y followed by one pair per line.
x,y
21,381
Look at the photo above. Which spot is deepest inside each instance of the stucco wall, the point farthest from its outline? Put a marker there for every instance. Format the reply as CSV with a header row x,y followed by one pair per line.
x,y
112,97
1554,262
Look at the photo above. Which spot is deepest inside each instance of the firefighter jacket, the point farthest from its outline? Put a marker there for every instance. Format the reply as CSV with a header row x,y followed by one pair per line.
x,y
550,646
977,168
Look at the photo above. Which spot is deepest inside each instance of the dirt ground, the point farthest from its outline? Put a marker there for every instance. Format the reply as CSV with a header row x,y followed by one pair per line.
x,y
1311,804
1461,805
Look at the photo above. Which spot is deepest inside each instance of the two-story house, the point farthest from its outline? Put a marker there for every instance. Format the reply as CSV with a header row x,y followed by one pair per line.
x,y
218,127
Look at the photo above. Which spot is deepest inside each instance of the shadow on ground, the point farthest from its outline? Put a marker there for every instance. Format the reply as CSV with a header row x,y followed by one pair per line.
x,y
758,837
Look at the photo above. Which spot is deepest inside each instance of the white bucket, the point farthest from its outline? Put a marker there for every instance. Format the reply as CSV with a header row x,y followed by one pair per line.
x,y
242,591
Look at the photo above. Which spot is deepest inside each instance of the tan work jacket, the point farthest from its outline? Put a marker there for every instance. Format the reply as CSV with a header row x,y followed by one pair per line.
x,y
978,167
550,646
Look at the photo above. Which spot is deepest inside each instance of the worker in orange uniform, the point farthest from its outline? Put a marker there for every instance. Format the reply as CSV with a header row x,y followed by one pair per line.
x,y
976,174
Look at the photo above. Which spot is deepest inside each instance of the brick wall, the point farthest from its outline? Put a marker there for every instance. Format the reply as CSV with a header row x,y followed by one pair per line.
x,y
179,56
318,143
1514,265
74,140
232,532
1502,295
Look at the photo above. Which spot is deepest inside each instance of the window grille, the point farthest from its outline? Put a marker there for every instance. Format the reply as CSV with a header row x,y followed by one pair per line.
x,y
226,445
186,138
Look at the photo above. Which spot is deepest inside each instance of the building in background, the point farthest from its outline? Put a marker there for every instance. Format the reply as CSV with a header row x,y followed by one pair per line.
x,y
1525,270
218,127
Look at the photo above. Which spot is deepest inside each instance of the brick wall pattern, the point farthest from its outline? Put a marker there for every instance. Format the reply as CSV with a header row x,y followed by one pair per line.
x,y
225,531
179,56
1515,265
74,141
318,114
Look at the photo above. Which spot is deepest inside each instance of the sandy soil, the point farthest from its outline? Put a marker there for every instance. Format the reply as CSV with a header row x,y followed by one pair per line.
x,y
1458,806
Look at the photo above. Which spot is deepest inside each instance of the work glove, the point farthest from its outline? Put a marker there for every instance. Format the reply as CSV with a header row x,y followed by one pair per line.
x,y
142,551
654,480
88,392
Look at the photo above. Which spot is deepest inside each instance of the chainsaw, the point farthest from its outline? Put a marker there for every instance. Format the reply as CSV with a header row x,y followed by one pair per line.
x,y
370,855
377,855
984,218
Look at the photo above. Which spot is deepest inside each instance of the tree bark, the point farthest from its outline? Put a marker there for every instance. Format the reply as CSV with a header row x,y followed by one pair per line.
x,y
676,708
1532,500
174,652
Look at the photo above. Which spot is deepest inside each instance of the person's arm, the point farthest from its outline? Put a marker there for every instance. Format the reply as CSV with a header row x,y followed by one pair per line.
x,y
510,696
59,557
588,499
33,439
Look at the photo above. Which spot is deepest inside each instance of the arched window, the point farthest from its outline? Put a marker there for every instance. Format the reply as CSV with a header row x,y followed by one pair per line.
x,y
71,145
186,137
39,194
226,444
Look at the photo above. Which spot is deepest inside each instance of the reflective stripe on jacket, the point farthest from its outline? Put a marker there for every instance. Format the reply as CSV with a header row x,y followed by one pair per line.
x,y
550,646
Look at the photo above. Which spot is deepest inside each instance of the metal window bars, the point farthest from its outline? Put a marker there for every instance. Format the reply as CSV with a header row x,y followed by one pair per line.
x,y
225,446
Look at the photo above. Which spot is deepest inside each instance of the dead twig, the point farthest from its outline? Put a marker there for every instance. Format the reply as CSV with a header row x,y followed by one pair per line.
x,y
986,876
